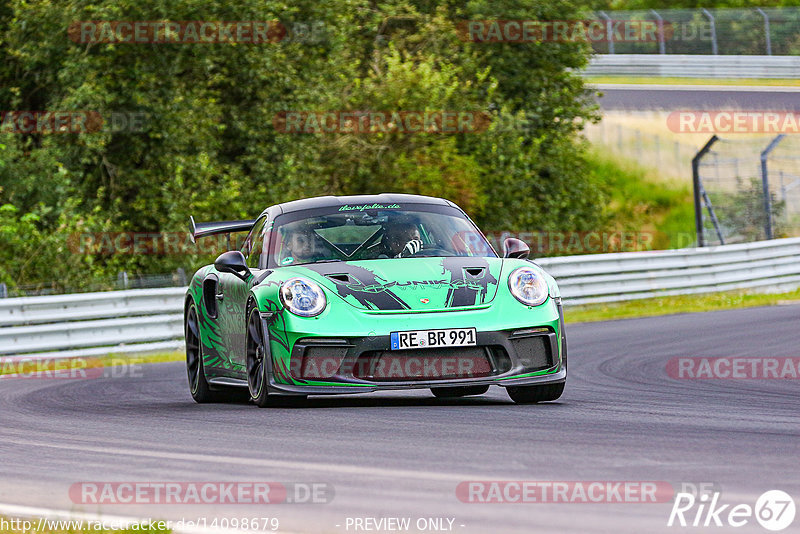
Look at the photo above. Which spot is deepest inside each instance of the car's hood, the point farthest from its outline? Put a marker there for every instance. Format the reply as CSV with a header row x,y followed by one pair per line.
x,y
420,284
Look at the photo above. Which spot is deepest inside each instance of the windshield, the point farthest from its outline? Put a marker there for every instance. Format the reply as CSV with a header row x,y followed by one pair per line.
x,y
358,233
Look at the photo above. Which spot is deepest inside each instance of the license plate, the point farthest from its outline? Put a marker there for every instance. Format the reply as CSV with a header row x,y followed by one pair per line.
x,y
422,339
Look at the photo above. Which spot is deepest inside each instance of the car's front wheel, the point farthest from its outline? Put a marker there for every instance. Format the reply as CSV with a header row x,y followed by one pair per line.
x,y
256,358
532,394
257,362
198,386
458,391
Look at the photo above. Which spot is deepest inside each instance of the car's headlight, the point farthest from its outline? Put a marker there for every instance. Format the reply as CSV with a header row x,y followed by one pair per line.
x,y
302,297
528,286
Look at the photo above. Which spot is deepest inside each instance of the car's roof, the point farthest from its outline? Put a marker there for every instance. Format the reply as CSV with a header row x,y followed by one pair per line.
x,y
383,199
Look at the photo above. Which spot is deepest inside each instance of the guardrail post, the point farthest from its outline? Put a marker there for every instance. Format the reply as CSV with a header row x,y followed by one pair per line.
x,y
3,291
766,30
765,185
698,208
122,279
609,30
712,22
662,47
181,276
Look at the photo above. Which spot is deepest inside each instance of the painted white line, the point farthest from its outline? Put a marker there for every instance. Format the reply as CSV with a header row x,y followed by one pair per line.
x,y
257,462
109,522
701,88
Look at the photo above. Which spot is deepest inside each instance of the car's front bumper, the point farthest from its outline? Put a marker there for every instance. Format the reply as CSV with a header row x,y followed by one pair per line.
x,y
532,352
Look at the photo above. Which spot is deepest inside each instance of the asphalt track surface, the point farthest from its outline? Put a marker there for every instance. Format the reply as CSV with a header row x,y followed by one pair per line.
x,y
403,454
630,97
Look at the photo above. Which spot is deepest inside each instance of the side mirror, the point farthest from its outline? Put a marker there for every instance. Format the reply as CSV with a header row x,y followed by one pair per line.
x,y
233,262
514,248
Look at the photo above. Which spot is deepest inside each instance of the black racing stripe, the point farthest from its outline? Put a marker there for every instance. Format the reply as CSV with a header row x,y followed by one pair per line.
x,y
369,291
467,290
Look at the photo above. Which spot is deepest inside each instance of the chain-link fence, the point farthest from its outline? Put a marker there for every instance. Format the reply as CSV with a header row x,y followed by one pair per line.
x,y
754,31
622,136
783,170
747,189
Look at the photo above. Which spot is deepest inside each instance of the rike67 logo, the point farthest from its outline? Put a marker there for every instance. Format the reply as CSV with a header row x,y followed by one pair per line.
x,y
774,510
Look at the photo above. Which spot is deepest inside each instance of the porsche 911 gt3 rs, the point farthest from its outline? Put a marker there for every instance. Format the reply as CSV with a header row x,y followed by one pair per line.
x,y
342,295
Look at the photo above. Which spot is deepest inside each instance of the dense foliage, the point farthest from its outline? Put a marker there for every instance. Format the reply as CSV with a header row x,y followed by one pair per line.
x,y
209,147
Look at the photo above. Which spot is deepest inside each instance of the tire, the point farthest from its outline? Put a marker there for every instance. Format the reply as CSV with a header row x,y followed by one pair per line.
x,y
255,359
533,394
257,368
458,391
198,386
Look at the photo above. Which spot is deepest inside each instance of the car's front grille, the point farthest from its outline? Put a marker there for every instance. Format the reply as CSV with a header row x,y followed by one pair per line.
x,y
445,363
524,350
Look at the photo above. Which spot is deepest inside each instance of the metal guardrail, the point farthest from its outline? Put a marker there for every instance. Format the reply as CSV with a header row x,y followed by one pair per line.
x,y
768,265
152,319
694,66
87,324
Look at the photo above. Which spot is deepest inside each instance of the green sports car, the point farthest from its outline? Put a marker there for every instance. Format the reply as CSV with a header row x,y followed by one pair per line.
x,y
342,295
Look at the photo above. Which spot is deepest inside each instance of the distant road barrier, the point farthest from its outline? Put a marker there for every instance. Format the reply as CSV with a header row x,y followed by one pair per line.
x,y
142,320
767,265
694,66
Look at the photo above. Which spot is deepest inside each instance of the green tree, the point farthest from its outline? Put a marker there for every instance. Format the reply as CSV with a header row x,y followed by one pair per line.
x,y
208,146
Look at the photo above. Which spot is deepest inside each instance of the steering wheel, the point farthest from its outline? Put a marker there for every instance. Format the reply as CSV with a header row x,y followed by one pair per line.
x,y
429,251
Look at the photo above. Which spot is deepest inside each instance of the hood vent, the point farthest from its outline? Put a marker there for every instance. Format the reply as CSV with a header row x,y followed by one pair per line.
x,y
470,273
342,278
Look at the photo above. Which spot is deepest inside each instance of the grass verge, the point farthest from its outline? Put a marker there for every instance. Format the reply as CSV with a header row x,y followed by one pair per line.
x,y
642,200
676,304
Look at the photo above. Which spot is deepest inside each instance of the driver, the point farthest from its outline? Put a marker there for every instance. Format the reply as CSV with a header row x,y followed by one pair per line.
x,y
403,240
301,247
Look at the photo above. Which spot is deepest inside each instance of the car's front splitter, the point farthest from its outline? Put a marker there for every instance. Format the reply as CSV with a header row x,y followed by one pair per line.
x,y
286,389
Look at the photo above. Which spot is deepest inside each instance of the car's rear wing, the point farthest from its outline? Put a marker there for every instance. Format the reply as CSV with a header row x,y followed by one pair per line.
x,y
199,230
